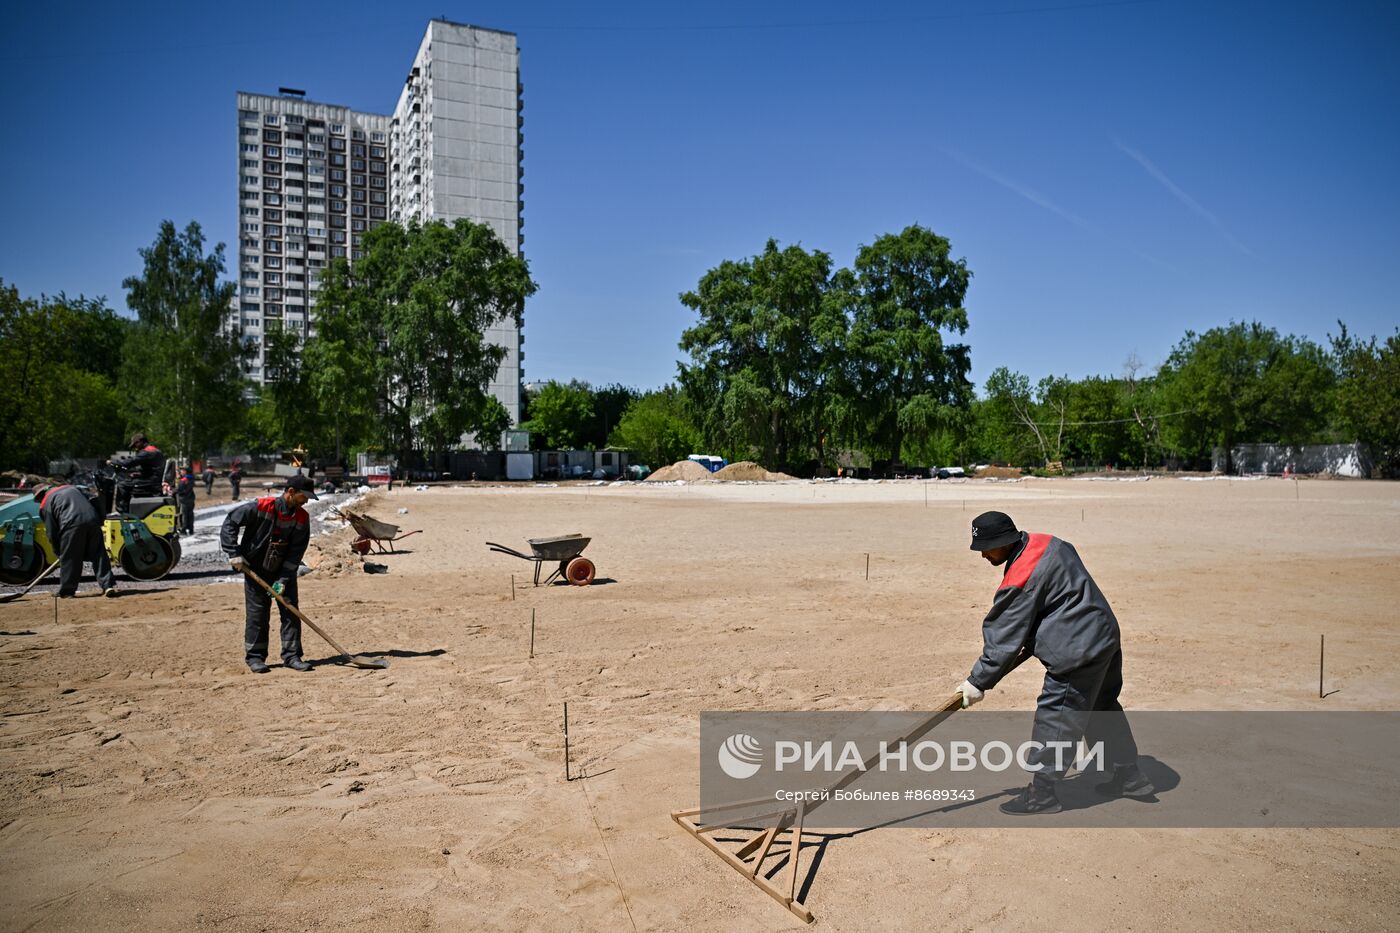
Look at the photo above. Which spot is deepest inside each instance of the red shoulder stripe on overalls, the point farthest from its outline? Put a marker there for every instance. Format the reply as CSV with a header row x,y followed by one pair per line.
x,y
1021,571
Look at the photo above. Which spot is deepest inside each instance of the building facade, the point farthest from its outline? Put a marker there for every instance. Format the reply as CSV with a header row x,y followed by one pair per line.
x,y
313,178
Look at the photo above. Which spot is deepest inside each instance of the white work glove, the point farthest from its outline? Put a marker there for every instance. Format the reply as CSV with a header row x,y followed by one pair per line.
x,y
970,694
237,563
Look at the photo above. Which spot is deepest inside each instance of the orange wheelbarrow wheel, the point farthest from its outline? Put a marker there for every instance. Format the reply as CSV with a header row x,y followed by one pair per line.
x,y
580,571
360,545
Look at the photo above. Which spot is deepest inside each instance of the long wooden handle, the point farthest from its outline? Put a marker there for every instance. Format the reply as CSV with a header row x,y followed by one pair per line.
x,y
295,611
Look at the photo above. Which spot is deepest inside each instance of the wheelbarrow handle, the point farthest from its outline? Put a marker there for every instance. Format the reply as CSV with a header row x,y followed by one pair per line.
x,y
502,549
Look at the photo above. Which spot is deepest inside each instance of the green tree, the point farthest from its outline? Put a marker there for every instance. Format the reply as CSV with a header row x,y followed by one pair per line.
x,y
180,376
657,427
58,394
1010,419
609,402
1100,425
1244,383
907,381
1368,395
560,415
753,353
414,311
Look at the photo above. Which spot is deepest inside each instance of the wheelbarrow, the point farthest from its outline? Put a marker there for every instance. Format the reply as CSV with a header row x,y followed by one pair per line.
x,y
372,531
564,550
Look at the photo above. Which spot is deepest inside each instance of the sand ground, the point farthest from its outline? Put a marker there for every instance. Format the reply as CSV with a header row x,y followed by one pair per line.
x,y
150,783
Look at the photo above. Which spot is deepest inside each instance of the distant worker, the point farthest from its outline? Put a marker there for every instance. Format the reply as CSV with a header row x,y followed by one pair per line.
x,y
140,474
275,532
1048,606
184,500
74,527
209,477
235,477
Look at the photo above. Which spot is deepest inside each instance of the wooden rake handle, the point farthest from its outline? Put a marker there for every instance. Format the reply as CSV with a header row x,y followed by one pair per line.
x,y
294,610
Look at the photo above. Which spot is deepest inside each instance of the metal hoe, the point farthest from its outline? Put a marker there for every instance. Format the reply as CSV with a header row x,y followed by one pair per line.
x,y
357,660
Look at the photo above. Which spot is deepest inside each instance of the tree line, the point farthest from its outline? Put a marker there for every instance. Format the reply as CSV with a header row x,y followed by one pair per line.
x,y
790,361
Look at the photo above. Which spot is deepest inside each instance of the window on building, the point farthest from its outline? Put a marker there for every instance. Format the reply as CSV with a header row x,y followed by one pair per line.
x,y
295,152
357,180
250,196
272,168
251,211
376,181
377,213
247,114
376,197
251,291
338,251
377,137
338,191
250,228
357,194
357,225
270,119
317,139
338,129
272,199
318,186
249,243
272,136
272,152
337,174
272,184
249,132
248,147
377,168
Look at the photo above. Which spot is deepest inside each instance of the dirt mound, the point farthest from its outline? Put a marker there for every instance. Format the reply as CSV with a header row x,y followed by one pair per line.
x,y
747,470
687,470
996,472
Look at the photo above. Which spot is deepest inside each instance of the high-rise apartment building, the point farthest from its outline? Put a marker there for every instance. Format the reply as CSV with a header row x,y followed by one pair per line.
x,y
313,178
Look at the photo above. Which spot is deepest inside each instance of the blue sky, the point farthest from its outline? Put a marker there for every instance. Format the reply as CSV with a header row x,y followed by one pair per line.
x,y
1114,172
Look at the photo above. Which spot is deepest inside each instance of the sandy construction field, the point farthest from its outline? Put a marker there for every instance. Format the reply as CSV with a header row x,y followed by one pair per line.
x,y
150,782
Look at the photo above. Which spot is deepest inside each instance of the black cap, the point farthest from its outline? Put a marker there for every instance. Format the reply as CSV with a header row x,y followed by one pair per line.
x,y
993,530
303,484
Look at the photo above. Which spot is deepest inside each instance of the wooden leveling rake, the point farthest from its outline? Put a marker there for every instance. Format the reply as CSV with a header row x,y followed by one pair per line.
x,y
707,822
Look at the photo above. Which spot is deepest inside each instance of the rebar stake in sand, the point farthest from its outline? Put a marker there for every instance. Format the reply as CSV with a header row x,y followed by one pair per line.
x,y
867,566
1321,653
512,587
532,633
567,776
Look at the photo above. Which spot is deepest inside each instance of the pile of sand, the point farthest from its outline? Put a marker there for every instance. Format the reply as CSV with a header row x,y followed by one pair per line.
x,y
995,472
687,470
749,471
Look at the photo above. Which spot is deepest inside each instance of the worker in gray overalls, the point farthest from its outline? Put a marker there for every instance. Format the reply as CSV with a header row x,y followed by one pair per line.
x,y
1048,606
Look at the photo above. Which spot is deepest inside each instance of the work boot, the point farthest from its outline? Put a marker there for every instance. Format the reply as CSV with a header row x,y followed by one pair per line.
x,y
110,592
1034,799
297,664
258,667
1127,781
